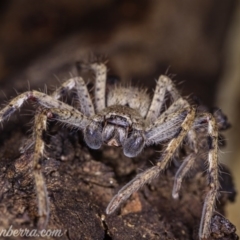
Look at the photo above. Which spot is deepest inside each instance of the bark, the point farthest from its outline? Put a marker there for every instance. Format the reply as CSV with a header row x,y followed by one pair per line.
x,y
81,182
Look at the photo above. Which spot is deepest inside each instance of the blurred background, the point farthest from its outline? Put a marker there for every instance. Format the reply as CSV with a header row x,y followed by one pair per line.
x,y
196,42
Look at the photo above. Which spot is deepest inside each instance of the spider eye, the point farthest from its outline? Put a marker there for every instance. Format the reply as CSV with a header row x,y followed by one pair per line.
x,y
133,145
93,135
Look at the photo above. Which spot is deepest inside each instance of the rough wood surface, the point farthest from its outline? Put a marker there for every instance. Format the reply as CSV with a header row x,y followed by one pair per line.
x,y
81,182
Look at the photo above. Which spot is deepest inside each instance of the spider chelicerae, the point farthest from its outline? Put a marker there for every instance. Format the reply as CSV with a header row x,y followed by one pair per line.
x,y
128,118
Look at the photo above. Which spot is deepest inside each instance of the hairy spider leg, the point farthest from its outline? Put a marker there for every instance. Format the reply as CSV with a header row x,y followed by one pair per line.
x,y
213,172
164,84
100,85
186,164
84,99
63,113
40,126
210,199
145,177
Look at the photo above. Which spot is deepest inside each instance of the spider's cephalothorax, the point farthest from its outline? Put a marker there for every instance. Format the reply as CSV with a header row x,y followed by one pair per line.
x,y
127,118
119,126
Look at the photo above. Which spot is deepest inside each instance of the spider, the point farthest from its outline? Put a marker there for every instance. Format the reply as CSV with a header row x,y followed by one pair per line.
x,y
127,118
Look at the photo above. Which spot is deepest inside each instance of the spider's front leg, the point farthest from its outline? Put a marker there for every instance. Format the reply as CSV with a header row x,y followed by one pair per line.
x,y
175,126
63,113
40,126
72,118
83,97
43,100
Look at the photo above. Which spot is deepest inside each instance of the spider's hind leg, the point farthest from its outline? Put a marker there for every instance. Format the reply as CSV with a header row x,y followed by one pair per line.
x,y
208,121
100,70
83,96
213,172
187,163
164,84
